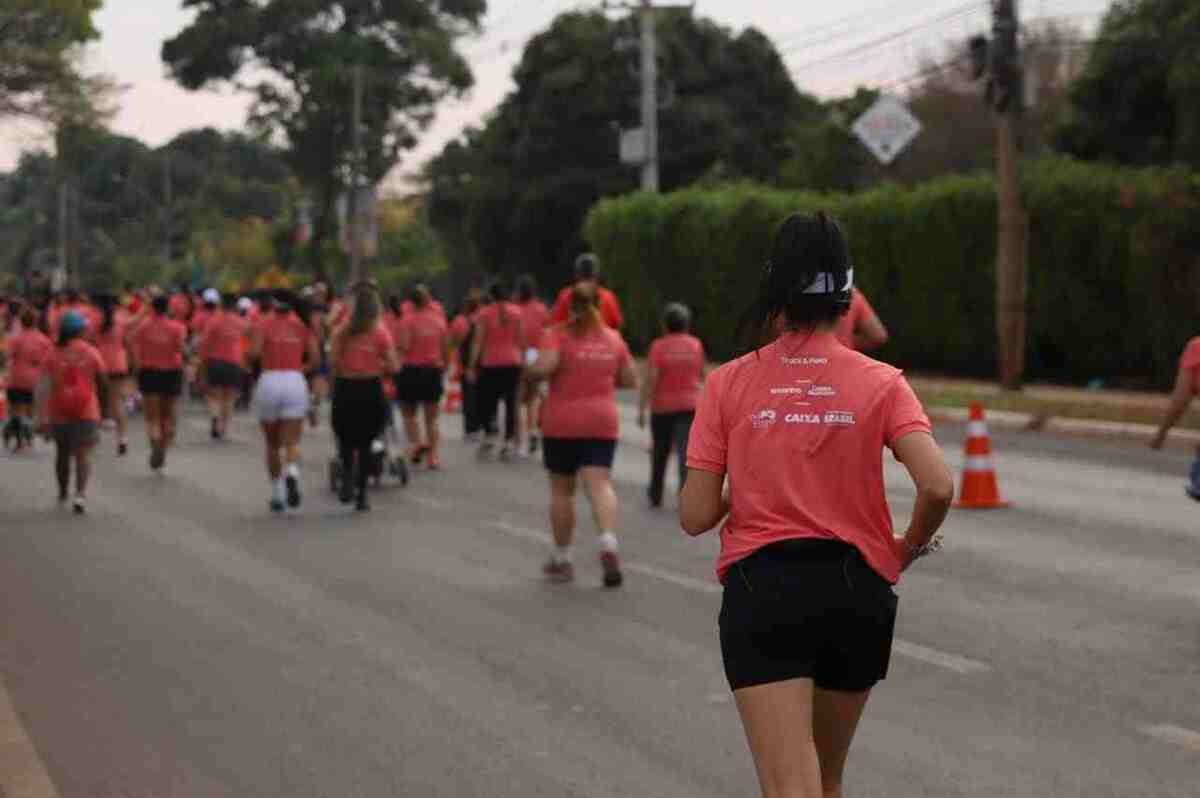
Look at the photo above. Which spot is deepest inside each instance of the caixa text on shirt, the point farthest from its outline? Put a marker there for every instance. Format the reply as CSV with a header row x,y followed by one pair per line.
x,y
762,419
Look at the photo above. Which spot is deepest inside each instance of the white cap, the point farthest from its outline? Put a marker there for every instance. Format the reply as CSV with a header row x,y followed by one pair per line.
x,y
245,303
211,296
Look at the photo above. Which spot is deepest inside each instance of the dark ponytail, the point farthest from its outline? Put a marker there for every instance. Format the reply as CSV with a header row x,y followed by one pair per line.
x,y
807,281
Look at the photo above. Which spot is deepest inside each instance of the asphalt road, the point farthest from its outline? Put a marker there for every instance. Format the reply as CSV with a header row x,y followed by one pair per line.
x,y
179,641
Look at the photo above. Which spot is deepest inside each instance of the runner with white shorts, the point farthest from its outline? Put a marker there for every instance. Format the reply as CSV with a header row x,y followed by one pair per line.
x,y
285,345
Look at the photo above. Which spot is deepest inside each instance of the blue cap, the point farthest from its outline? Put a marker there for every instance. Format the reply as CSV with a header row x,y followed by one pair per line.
x,y
72,323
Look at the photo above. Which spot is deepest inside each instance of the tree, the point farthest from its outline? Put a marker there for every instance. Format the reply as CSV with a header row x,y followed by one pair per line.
x,y
37,39
1138,99
511,196
310,50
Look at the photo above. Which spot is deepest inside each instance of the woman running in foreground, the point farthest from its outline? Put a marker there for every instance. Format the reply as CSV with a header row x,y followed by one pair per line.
x,y
808,555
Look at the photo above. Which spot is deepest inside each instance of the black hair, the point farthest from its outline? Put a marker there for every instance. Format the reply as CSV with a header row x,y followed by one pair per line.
x,y
160,303
587,267
229,301
286,300
395,304
498,293
108,308
526,288
419,296
677,318
806,248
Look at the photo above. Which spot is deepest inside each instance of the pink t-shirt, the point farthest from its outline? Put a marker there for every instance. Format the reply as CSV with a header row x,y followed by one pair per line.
x,y
179,305
82,354
460,328
799,427
200,320
426,331
285,340
1191,361
158,342
365,355
502,344
679,359
111,346
860,310
407,307
224,338
535,316
582,402
29,351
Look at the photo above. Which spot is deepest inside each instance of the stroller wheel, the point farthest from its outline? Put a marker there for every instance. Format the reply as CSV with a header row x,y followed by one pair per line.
x,y
335,475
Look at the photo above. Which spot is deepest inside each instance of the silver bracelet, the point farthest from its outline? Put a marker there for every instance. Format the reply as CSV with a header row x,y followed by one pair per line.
x,y
932,547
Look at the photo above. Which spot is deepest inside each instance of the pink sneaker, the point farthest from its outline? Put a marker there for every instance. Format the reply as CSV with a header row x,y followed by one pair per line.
x,y
557,571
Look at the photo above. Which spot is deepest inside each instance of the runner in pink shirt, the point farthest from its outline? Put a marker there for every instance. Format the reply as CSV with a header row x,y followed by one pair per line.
x,y
808,554
585,361
222,356
497,358
423,343
861,328
363,354
110,336
285,344
536,317
674,371
1187,385
157,345
74,375
28,353
462,333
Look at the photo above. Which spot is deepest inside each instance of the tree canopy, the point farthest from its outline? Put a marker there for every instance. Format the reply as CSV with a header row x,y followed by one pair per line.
x,y
37,38
1138,98
307,53
511,195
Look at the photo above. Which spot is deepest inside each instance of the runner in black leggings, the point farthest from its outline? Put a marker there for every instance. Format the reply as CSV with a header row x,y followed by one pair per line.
x,y
497,355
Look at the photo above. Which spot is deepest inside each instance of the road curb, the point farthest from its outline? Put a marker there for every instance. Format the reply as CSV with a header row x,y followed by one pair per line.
x,y
1066,427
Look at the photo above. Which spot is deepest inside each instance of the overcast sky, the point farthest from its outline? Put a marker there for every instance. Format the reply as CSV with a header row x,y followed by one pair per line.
x,y
830,47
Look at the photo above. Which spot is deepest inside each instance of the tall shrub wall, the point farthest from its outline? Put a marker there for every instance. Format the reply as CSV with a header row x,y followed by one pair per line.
x,y
1114,265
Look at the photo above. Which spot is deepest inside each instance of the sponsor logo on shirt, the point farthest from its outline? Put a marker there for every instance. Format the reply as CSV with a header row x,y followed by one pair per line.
x,y
805,361
763,419
801,418
822,391
840,418
788,391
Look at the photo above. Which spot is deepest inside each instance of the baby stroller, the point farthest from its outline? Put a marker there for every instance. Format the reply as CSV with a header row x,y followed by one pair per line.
x,y
382,463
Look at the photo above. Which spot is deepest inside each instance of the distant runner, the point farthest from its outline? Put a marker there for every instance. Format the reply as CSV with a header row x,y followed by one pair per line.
x,y
110,342
535,316
29,352
223,360
587,272
860,328
422,342
1187,385
157,346
496,359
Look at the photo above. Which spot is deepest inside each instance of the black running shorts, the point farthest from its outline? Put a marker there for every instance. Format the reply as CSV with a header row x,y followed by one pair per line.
x,y
18,396
807,609
565,456
156,382
419,385
223,374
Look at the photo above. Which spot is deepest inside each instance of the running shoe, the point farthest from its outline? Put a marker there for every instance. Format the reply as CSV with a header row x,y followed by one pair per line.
x,y
363,505
558,571
293,491
534,444
611,564
346,489
276,506
79,506
122,449
158,457
215,431
435,462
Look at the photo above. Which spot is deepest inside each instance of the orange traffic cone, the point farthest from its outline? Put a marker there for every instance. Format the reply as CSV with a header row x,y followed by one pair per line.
x,y
454,394
980,490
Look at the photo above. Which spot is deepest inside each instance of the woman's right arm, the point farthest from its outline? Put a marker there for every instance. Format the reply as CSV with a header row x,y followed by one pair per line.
x,y
1181,397
922,457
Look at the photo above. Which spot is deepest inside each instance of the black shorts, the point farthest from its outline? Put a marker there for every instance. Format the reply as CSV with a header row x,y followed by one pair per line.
x,y
223,374
565,456
156,382
19,396
360,411
419,385
807,609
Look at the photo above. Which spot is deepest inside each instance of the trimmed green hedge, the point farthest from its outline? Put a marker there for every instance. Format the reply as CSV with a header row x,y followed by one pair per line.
x,y
1114,265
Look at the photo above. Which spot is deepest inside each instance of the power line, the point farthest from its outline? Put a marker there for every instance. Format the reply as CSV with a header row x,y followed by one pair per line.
x,y
960,12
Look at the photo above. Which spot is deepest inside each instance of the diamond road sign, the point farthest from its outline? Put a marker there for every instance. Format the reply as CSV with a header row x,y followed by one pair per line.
x,y
887,128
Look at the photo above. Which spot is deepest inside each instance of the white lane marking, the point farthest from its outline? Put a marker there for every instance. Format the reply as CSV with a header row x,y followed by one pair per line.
x,y
915,651
22,773
1175,735
931,656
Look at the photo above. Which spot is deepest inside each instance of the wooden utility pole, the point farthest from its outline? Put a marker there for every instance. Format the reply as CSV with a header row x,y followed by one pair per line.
x,y
649,103
353,211
1012,248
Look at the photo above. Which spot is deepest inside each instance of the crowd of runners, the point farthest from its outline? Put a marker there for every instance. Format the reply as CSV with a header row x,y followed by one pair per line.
x,y
781,447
